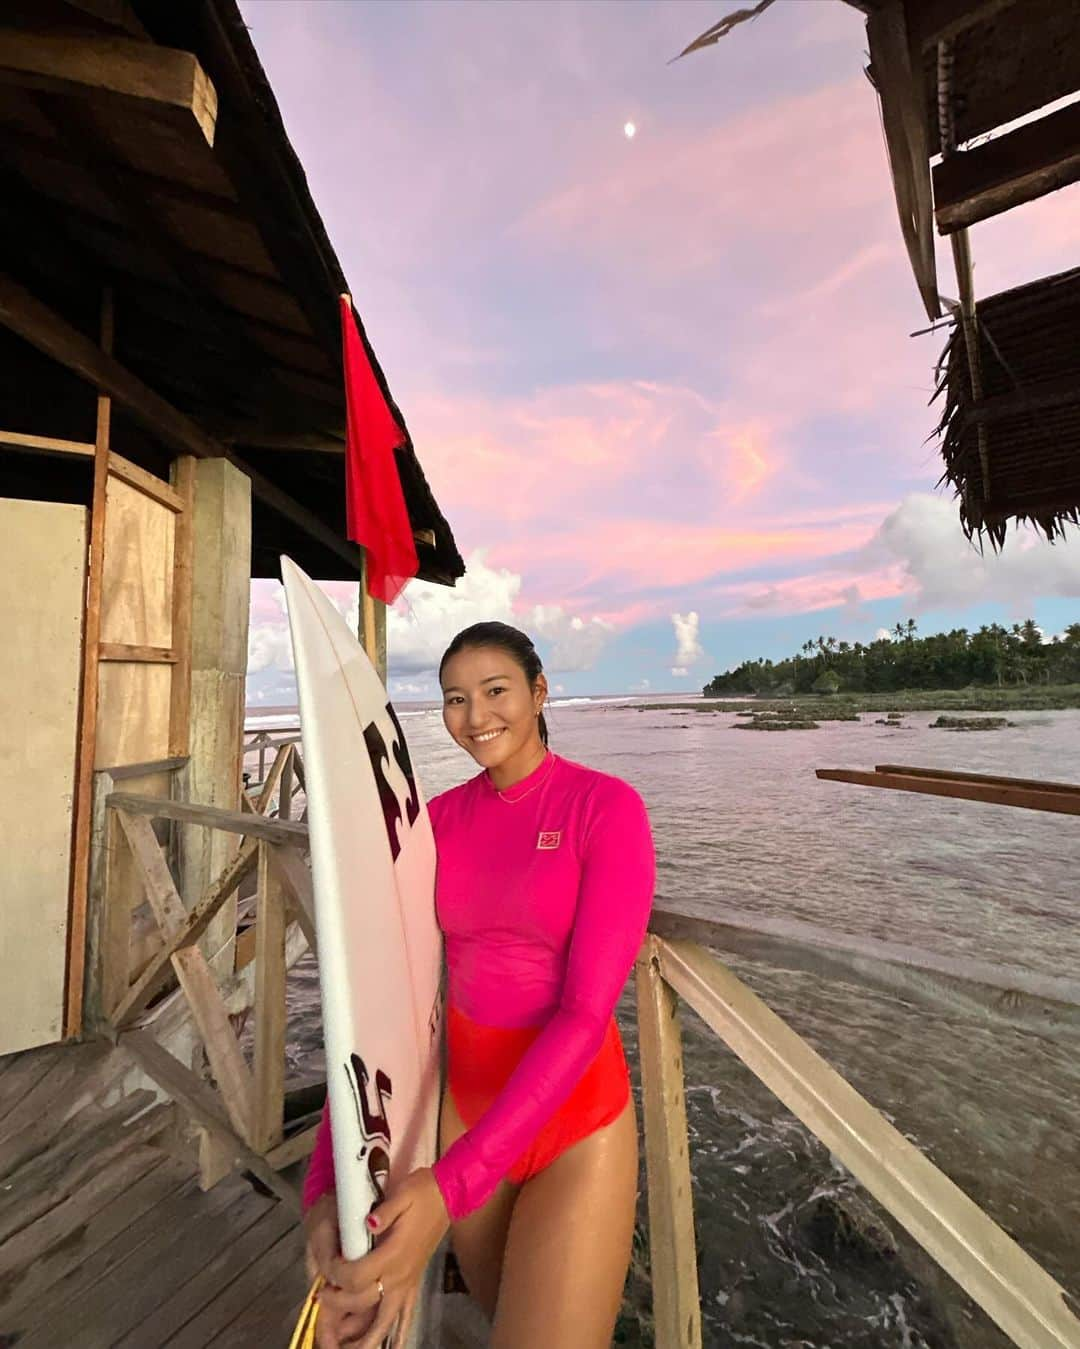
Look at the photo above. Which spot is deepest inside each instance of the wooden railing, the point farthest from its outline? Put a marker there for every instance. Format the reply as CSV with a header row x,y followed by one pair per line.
x,y
245,1114
676,963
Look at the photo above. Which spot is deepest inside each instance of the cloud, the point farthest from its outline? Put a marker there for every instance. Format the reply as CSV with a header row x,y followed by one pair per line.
x,y
423,625
576,643
939,568
690,652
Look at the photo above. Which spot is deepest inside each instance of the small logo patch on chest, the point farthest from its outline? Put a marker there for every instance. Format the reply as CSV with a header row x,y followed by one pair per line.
x,y
549,840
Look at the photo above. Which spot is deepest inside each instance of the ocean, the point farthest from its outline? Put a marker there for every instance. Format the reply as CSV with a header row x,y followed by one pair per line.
x,y
792,1254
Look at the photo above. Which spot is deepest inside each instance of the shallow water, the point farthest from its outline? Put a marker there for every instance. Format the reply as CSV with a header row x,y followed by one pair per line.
x,y
741,821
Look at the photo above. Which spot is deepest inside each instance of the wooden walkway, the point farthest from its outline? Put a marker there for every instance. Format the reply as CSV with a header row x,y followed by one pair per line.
x,y
105,1237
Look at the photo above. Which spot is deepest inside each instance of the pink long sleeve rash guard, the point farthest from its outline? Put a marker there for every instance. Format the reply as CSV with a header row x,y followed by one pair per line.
x,y
543,894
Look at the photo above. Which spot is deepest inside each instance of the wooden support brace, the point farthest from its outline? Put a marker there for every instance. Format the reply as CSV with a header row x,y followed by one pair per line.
x,y
195,977
672,1245
231,821
992,793
143,655
269,1007
149,485
195,924
294,875
19,440
1001,1277
269,786
198,1101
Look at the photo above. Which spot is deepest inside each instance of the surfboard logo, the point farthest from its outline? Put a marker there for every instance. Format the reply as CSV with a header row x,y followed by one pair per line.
x,y
549,840
373,1121
398,794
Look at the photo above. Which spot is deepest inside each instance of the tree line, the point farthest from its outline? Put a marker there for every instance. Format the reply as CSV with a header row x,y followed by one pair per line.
x,y
993,657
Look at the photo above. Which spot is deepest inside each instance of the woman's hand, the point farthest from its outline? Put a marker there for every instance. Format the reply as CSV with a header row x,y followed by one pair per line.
x,y
408,1227
333,1329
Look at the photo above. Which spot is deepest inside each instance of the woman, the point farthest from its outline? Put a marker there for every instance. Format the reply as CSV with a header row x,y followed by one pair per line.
x,y
545,882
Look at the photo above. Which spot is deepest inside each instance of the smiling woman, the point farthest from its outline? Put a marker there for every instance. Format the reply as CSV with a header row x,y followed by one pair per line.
x,y
544,888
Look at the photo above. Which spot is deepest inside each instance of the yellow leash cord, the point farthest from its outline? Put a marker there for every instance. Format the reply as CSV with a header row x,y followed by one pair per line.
x,y
304,1334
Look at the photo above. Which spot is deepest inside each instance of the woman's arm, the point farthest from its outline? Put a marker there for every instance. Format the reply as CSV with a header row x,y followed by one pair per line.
x,y
319,1177
614,901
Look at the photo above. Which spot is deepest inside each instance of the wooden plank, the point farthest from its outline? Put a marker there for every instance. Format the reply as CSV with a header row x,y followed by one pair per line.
x,y
948,774
165,1257
46,444
48,1251
1060,803
43,1184
231,821
296,878
196,1098
268,1115
897,76
182,600
237,1318
146,483
294,1149
169,1261
143,72
995,176
230,1262
171,1208
1044,1003
87,744
1003,1279
672,1245
145,770
153,655
167,905
934,21
189,932
29,1096
231,1073
286,787
266,794
115,919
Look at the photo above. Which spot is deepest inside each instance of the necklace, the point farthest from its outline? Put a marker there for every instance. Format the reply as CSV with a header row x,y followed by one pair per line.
x,y
513,800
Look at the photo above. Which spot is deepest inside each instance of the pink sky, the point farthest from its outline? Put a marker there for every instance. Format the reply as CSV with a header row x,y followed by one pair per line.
x,y
644,376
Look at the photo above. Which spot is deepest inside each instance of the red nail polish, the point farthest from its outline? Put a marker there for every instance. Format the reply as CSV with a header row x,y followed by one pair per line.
x,y
372,1221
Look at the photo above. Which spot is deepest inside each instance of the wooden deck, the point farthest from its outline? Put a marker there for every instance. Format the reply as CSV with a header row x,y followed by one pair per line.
x,y
106,1238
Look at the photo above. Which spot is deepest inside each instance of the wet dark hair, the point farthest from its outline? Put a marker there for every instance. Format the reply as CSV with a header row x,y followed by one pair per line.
x,y
517,645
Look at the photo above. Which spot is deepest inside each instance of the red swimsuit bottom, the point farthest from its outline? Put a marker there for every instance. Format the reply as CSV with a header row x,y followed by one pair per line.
x,y
481,1060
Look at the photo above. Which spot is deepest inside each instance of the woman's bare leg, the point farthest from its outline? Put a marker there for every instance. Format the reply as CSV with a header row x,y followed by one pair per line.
x,y
479,1240
568,1247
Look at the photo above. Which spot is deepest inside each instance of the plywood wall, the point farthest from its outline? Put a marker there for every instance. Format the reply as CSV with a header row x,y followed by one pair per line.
x,y
42,584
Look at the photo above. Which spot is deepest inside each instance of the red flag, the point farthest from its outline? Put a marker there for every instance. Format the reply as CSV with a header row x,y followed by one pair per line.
x,y
375,512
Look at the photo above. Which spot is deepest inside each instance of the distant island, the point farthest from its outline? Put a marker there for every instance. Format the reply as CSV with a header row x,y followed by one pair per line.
x,y
993,667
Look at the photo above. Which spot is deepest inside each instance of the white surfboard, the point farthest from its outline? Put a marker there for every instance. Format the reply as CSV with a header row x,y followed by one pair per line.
x,y
380,949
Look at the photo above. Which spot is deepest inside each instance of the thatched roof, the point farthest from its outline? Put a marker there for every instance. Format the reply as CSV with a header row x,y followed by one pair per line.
x,y
200,219
948,73
1015,453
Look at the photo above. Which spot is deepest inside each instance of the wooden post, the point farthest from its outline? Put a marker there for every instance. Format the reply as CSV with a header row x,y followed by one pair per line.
x,y
285,790
367,632
672,1246
183,480
268,1114
84,760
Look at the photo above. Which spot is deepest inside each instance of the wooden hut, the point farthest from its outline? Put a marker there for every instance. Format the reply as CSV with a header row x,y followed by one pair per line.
x,y
171,417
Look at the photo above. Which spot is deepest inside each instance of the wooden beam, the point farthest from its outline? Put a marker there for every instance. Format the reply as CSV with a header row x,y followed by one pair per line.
x,y
934,21
994,1270
672,1244
897,75
146,769
210,817
296,878
75,982
167,905
19,440
189,932
284,754
74,64
1069,788
999,174
294,1149
1059,803
150,655
155,488
1012,997
183,481
116,13
269,1105
196,1098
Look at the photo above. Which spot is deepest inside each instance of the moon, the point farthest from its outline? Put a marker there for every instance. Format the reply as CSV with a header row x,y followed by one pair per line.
x,y
629,131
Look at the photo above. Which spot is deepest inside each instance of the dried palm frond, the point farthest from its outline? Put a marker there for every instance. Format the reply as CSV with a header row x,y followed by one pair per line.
x,y
726,24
